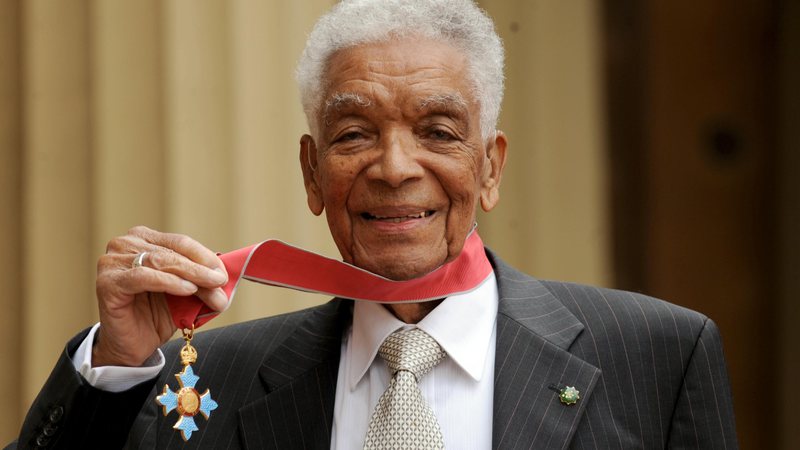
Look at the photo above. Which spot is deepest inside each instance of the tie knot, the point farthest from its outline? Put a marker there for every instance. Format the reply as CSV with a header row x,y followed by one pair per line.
x,y
412,350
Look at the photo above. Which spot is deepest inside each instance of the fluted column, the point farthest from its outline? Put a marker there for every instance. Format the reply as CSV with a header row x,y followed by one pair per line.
x,y
57,295
10,209
267,122
128,138
552,218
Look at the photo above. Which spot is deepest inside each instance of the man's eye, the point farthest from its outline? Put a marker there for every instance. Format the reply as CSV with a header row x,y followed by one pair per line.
x,y
350,136
441,135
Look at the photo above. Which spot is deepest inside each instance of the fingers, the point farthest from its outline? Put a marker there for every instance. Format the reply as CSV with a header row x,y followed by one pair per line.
x,y
174,264
205,280
177,264
181,244
214,298
145,279
172,253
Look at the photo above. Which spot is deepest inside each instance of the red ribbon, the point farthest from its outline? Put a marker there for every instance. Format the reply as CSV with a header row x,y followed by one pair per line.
x,y
279,264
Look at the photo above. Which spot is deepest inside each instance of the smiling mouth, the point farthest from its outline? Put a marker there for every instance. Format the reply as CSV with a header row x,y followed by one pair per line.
x,y
397,219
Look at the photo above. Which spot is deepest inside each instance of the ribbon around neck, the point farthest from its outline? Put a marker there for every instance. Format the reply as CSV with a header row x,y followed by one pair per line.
x,y
276,263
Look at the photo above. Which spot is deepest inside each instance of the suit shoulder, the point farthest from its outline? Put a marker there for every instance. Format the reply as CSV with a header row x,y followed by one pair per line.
x,y
603,311
615,298
628,312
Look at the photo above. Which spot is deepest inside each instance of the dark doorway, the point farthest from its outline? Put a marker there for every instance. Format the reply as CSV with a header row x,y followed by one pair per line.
x,y
691,102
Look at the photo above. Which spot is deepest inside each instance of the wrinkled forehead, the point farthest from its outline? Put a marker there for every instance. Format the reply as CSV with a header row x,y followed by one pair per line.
x,y
425,73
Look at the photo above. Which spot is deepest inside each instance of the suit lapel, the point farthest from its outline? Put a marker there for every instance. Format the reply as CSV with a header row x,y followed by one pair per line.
x,y
534,333
300,379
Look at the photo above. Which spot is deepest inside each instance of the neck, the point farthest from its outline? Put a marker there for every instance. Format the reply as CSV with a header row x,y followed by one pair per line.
x,y
412,312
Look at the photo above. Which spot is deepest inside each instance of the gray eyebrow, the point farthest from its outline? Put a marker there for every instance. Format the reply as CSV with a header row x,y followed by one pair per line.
x,y
340,100
447,101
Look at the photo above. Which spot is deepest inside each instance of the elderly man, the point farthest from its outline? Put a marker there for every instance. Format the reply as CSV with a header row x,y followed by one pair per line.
x,y
402,98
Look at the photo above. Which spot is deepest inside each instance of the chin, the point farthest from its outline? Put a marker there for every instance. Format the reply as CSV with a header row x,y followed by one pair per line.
x,y
394,269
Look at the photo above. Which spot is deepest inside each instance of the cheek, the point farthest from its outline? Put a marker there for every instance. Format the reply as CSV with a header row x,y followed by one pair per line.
x,y
334,193
338,175
461,181
340,178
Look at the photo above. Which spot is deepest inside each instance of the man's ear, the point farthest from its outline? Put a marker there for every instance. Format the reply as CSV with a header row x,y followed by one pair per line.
x,y
493,171
308,162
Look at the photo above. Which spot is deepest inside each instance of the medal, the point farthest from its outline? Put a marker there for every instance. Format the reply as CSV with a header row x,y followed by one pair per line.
x,y
186,400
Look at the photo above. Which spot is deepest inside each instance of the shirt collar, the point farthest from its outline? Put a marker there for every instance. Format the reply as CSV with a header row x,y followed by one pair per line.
x,y
475,310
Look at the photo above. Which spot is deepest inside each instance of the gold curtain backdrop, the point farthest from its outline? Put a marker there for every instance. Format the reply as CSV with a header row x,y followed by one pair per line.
x,y
183,116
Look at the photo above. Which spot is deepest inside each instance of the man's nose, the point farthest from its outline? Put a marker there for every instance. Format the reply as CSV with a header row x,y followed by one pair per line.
x,y
396,163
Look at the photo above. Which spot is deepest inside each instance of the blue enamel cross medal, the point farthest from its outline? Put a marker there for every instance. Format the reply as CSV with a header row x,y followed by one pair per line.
x,y
186,400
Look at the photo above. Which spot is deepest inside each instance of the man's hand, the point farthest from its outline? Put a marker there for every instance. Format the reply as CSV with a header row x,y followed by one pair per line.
x,y
134,318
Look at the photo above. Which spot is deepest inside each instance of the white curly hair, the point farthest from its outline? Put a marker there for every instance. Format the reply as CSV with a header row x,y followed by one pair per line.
x,y
461,23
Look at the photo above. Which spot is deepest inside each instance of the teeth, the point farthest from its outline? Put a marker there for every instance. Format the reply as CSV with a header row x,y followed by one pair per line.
x,y
402,218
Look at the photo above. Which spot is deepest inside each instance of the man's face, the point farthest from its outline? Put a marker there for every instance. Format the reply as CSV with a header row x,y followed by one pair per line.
x,y
399,164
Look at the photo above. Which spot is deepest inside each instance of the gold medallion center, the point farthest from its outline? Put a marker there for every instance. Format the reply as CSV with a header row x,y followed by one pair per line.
x,y
188,402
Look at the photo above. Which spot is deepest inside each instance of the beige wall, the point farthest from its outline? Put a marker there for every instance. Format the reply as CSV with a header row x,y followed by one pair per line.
x,y
183,116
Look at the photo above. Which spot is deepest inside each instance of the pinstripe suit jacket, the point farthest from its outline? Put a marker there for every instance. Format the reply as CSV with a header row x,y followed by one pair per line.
x,y
650,375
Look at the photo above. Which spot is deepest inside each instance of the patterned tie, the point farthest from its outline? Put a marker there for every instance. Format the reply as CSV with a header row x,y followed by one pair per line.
x,y
402,419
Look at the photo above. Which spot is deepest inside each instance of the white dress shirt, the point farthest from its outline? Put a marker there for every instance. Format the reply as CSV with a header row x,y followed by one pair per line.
x,y
114,378
460,390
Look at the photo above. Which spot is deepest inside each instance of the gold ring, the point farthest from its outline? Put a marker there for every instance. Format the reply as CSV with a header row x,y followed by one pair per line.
x,y
138,261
